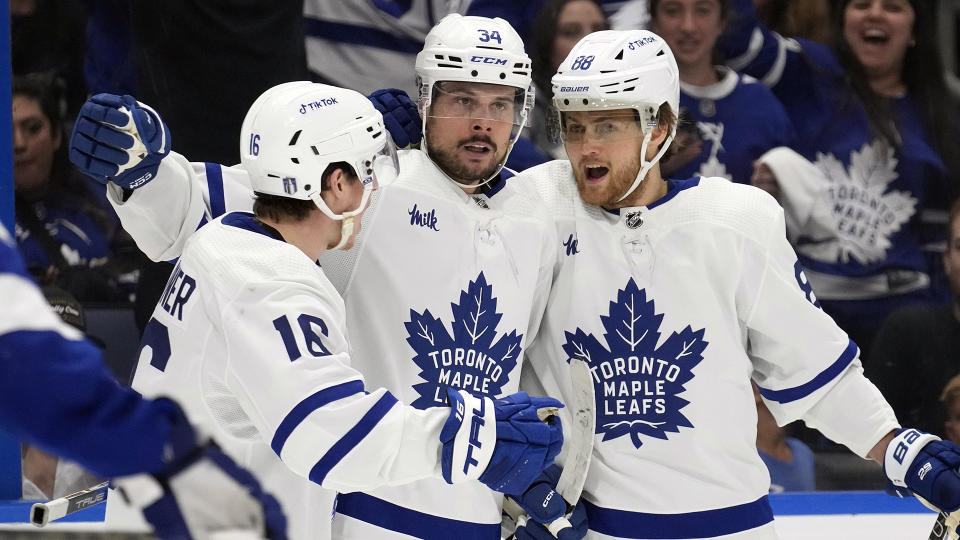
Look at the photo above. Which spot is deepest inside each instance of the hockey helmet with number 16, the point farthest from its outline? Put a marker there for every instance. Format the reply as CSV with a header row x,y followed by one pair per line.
x,y
294,130
611,70
475,50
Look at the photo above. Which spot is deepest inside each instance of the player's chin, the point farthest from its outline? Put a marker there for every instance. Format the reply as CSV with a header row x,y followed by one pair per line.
x,y
593,195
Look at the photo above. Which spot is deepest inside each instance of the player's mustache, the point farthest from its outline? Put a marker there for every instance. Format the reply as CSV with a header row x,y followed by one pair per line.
x,y
480,138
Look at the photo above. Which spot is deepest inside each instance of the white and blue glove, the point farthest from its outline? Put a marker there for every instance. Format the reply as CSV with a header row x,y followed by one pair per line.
x,y
201,491
119,139
503,443
926,466
400,116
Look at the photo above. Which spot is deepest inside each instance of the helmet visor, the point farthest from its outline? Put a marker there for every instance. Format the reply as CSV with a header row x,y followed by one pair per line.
x,y
381,167
579,127
478,101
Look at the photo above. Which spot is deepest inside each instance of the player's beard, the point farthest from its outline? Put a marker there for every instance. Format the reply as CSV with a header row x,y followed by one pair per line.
x,y
454,168
619,179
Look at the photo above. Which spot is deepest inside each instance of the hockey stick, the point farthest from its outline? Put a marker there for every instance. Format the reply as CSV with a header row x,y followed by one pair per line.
x,y
43,513
574,474
945,528
939,531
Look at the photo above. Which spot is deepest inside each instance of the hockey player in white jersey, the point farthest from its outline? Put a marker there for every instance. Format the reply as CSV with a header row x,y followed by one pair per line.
x,y
258,346
56,393
677,293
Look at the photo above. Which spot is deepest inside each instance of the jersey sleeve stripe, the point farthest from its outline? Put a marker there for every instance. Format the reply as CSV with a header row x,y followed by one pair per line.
x,y
798,392
215,186
772,78
352,438
753,49
307,406
359,35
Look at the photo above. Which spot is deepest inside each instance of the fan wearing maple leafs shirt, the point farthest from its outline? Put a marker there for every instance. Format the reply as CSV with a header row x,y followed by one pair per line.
x,y
677,294
874,116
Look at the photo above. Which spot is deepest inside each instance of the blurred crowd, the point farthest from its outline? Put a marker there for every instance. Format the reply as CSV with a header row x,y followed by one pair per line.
x,y
840,109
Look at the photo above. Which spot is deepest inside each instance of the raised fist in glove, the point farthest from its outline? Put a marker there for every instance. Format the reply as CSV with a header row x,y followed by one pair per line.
x,y
400,116
503,443
119,139
201,491
926,466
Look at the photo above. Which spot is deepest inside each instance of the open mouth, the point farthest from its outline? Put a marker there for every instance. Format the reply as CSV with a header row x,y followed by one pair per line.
x,y
875,37
596,172
477,148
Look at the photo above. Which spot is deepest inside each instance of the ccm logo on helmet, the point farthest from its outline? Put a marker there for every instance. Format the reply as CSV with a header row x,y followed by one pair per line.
x,y
641,42
319,104
488,60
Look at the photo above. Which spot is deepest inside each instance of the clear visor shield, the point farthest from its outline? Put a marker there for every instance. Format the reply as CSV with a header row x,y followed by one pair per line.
x,y
381,167
479,101
596,126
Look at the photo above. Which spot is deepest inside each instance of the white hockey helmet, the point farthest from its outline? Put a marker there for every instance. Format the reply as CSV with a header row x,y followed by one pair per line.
x,y
475,50
615,69
295,130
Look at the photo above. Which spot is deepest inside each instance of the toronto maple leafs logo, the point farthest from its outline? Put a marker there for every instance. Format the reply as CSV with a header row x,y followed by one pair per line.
x,y
468,359
865,214
636,382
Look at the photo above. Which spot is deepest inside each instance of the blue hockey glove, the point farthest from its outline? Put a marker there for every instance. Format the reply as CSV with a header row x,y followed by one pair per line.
x,y
925,465
201,491
400,116
503,443
532,530
540,501
120,139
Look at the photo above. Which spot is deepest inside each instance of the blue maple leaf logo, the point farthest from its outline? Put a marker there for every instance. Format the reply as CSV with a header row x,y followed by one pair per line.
x,y
469,359
635,382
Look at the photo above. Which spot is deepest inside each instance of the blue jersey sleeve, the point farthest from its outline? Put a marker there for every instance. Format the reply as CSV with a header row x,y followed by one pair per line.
x,y
788,66
56,393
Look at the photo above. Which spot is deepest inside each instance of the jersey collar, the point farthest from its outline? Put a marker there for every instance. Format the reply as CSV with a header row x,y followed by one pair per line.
x,y
249,222
716,91
673,188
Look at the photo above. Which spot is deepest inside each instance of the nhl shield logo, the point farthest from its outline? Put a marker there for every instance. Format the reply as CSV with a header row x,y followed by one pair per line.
x,y
634,220
289,185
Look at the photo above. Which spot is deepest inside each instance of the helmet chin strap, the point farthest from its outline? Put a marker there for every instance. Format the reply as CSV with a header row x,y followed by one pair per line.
x,y
645,165
346,231
346,219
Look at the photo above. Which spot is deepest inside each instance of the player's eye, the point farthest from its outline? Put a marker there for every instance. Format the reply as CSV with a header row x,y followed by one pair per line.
x,y
607,128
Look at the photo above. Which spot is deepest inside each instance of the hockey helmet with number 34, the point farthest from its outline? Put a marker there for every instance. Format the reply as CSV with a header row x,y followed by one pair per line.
x,y
293,131
612,70
475,50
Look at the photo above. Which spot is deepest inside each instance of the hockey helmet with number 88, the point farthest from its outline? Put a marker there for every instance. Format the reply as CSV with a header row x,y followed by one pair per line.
x,y
614,70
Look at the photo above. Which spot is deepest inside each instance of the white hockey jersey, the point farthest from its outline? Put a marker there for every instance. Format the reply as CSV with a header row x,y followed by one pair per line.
x,y
675,307
442,289
249,336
